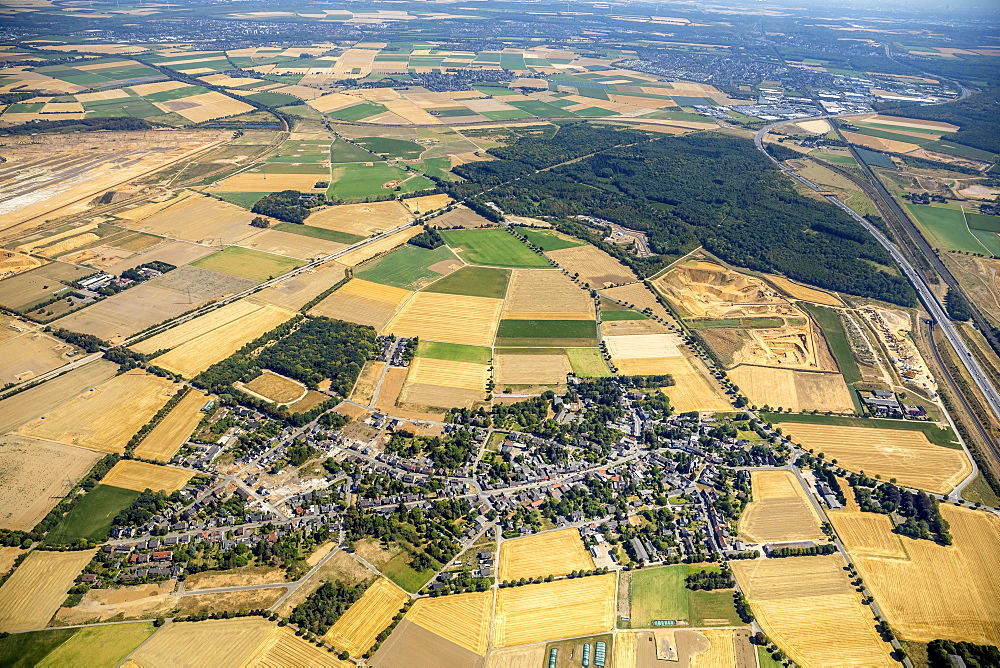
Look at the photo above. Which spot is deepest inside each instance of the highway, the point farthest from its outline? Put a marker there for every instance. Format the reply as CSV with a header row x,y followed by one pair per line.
x,y
924,292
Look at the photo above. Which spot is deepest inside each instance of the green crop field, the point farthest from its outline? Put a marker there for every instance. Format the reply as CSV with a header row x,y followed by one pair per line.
x,y
979,221
945,228
358,111
588,362
549,240
342,151
944,437
248,263
660,593
741,323
399,571
246,200
454,352
273,99
623,315
474,282
97,645
319,233
568,333
406,267
24,650
356,181
393,148
493,247
91,517
829,321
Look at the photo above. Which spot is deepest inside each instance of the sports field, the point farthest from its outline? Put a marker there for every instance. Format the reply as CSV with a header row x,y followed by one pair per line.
x,y
91,517
808,607
170,434
492,247
905,455
463,619
409,267
549,553
105,417
34,592
248,263
357,628
449,318
660,593
138,476
911,578
474,282
780,510
558,609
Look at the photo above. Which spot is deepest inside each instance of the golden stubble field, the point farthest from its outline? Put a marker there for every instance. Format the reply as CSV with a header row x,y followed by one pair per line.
x,y
199,343
532,369
33,593
363,302
34,475
450,318
105,417
808,607
362,219
448,373
357,628
550,553
169,435
906,456
780,510
794,389
926,590
463,619
138,476
595,267
558,609
544,294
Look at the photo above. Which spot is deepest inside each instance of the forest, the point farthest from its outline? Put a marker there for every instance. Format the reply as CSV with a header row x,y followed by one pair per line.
x,y
285,205
325,606
703,189
921,511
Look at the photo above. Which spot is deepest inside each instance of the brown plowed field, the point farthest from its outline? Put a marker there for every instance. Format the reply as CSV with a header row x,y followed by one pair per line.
x,y
363,302
595,267
809,608
534,291
789,388
549,553
911,578
106,417
532,369
780,510
136,475
413,646
905,455
463,619
419,400
449,318
169,435
357,628
34,476
559,609
33,593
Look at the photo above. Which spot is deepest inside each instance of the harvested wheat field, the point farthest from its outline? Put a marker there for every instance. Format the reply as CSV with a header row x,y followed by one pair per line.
x,y
363,302
367,252
364,387
136,475
518,657
107,416
222,642
197,218
460,216
808,607
926,590
905,455
36,401
693,388
357,628
392,389
780,510
447,373
200,343
542,294
550,553
284,649
294,292
721,651
170,434
449,318
805,293
34,476
419,205
254,181
362,219
793,389
275,388
639,295
559,609
595,267
532,369
643,346
33,593
463,619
